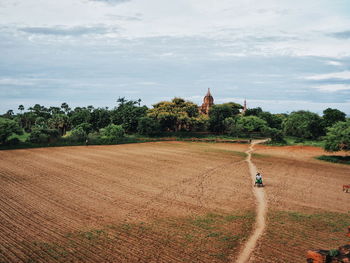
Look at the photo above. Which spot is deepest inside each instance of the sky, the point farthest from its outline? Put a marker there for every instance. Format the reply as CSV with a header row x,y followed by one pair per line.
x,y
281,55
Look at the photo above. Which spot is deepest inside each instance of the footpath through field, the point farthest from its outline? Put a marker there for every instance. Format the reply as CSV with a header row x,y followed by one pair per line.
x,y
261,210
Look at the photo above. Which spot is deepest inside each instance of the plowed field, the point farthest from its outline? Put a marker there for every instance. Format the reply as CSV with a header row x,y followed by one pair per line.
x,y
166,202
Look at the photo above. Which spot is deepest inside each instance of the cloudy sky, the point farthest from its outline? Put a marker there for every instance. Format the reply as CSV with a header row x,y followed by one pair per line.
x,y
282,55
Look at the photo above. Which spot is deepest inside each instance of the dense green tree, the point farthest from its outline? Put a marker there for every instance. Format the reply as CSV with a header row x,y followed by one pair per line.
x,y
218,113
128,113
65,107
43,135
246,125
175,115
59,122
273,120
274,134
99,118
40,111
55,110
148,126
27,120
40,122
79,134
113,132
332,116
304,125
338,137
80,115
8,128
87,127
253,112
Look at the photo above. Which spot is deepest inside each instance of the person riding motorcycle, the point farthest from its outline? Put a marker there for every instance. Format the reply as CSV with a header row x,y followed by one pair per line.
x,y
258,179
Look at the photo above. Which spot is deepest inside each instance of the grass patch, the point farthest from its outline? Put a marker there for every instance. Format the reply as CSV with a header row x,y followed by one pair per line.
x,y
335,159
291,141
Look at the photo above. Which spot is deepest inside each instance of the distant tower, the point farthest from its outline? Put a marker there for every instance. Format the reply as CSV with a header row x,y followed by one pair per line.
x,y
244,107
208,101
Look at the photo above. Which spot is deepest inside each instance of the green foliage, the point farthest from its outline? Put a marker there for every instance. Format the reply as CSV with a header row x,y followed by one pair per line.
x,y
79,134
8,128
218,114
79,116
100,118
253,112
246,125
175,115
27,120
40,122
274,134
59,122
303,124
332,116
86,127
273,120
148,126
128,114
43,135
338,137
113,132
335,159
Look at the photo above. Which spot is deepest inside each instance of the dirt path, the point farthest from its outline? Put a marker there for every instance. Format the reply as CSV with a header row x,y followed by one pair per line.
x,y
261,210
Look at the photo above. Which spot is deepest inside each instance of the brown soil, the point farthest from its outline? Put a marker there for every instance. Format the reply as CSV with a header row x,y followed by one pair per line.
x,y
151,202
166,202
307,208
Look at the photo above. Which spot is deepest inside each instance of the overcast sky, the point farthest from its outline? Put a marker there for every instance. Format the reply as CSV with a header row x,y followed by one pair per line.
x,y
281,55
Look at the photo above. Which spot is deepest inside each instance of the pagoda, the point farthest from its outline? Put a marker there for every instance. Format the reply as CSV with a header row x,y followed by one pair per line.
x,y
208,102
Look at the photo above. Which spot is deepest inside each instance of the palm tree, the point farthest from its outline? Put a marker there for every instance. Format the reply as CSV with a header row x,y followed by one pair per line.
x,y
59,122
65,107
21,108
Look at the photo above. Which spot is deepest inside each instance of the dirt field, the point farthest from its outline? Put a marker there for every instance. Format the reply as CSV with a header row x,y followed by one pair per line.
x,y
307,208
166,202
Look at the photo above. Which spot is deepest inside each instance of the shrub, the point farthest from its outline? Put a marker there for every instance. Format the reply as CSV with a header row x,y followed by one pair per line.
x,y
148,126
7,128
303,124
79,134
12,141
275,134
40,135
245,126
338,137
113,132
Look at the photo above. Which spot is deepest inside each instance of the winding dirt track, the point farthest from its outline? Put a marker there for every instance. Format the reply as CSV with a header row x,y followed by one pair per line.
x,y
261,211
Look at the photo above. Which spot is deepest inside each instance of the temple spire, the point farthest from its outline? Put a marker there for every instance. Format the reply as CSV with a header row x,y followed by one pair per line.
x,y
208,93
208,102
244,106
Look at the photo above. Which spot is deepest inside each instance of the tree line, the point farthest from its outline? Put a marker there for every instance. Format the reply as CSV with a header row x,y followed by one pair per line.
x,y
104,125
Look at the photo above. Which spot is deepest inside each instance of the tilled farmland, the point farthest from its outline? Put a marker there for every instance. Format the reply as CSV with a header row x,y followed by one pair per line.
x,y
166,202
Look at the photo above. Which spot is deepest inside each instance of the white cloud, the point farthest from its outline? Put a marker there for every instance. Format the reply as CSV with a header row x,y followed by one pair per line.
x,y
331,88
296,28
17,82
334,63
344,75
